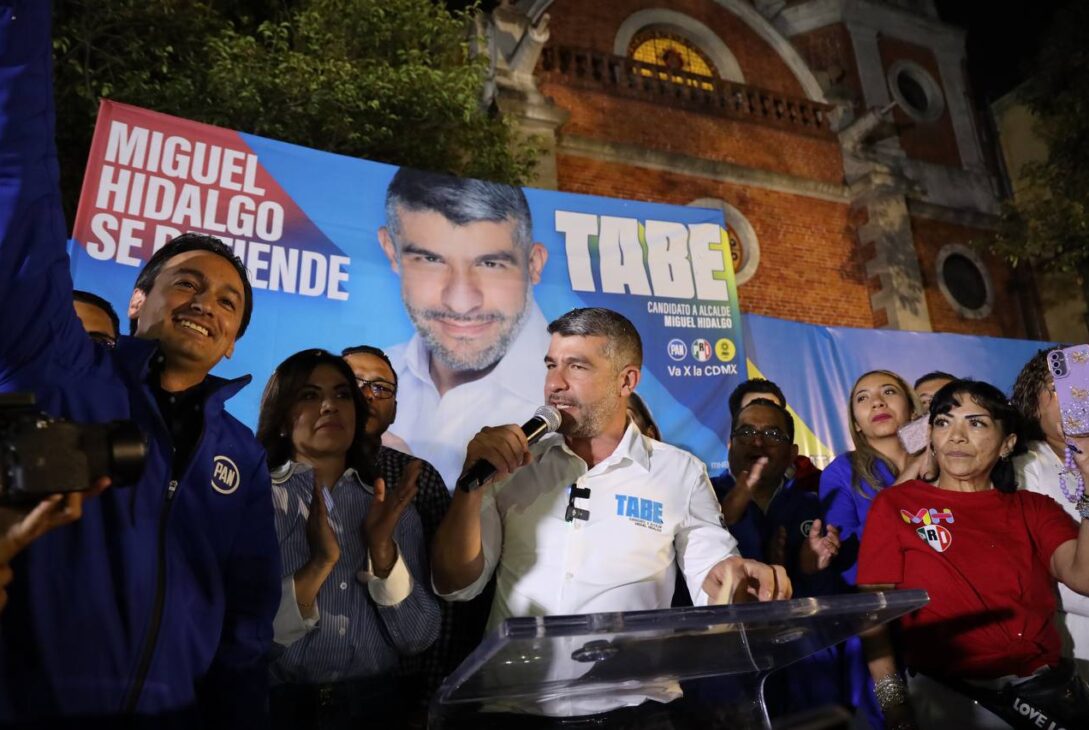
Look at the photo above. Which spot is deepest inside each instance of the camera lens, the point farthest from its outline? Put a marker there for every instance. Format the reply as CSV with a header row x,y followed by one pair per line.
x,y
128,449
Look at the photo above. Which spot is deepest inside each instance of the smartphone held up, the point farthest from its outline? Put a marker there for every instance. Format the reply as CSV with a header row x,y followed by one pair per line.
x,y
1069,368
915,435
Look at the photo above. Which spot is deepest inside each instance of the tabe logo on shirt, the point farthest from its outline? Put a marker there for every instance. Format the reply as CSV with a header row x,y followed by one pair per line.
x,y
932,532
642,512
225,479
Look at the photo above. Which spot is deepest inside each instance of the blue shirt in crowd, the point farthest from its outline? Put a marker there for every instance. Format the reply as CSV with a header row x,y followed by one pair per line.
x,y
819,680
359,632
847,507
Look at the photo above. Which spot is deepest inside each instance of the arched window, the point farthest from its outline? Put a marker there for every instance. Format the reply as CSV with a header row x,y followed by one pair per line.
x,y
681,62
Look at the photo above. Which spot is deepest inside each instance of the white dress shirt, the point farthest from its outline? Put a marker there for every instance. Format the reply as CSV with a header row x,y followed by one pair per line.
x,y
1038,471
438,428
651,509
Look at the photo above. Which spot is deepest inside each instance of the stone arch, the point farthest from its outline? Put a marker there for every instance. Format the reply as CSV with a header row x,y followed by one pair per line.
x,y
767,32
794,61
687,27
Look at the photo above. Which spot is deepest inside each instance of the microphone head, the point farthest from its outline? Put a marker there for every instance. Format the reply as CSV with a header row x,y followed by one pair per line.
x,y
550,416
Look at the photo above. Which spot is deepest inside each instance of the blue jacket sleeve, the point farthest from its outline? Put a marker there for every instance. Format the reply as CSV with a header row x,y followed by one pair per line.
x,y
40,327
838,496
806,508
234,694
413,624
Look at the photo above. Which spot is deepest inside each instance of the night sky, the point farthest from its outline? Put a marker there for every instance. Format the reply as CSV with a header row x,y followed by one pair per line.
x,y
1003,39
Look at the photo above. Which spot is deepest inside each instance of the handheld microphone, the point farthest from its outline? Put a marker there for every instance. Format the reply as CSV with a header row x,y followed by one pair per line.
x,y
546,420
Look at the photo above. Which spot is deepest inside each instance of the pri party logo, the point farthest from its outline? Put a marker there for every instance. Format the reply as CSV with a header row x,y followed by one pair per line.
x,y
701,350
932,532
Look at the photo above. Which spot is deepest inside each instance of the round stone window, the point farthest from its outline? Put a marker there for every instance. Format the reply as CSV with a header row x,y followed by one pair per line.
x,y
964,281
916,91
744,248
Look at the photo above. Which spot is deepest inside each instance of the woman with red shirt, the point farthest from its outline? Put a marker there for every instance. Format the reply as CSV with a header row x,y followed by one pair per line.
x,y
989,556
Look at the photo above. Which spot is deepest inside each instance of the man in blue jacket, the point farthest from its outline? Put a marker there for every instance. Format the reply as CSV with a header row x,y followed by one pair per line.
x,y
158,604
776,521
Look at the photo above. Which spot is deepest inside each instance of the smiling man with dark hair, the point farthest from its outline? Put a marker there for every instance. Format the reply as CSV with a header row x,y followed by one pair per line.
x,y
157,605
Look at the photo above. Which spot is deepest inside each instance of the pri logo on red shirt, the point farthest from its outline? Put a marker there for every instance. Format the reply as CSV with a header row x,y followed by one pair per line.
x,y
931,531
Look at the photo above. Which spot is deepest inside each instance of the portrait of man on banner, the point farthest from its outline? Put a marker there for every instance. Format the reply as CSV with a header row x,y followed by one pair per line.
x,y
467,262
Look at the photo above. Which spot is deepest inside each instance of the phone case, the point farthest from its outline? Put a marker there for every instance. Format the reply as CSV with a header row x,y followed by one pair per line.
x,y
1070,372
915,435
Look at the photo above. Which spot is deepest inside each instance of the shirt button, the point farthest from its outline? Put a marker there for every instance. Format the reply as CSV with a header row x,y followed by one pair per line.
x,y
343,585
568,576
342,631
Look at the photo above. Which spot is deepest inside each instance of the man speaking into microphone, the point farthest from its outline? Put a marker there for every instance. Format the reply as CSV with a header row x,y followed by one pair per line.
x,y
595,518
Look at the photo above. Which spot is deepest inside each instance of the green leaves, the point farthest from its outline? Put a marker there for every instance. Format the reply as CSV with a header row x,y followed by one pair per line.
x,y
1048,222
389,80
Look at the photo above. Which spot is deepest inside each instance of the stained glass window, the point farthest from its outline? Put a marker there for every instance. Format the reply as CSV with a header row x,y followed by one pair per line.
x,y
679,59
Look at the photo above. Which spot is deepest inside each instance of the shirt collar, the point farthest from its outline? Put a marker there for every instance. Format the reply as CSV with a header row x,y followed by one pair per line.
x,y
526,353
1043,451
633,446
139,357
289,469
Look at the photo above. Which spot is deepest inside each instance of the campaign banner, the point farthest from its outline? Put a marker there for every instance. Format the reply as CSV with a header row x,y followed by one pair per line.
x,y
817,366
461,304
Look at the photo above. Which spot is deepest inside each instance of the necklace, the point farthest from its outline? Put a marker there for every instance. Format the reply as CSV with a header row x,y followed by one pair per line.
x,y
1079,481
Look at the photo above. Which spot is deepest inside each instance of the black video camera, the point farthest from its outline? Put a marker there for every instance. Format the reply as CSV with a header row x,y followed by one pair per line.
x,y
41,455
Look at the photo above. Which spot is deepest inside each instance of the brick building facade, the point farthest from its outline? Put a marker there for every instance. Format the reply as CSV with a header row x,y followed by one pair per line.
x,y
837,136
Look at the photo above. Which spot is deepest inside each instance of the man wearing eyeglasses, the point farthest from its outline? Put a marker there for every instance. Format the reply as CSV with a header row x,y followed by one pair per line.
x,y
804,472
770,517
595,518
377,381
777,521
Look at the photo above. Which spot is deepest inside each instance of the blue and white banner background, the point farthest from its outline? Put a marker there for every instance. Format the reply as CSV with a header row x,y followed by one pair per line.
x,y
816,367
305,223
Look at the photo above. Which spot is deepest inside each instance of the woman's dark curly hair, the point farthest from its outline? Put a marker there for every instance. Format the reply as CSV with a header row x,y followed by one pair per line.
x,y
274,429
1005,415
1031,381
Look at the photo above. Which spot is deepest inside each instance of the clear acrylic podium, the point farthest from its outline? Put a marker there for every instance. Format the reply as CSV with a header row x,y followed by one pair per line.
x,y
541,660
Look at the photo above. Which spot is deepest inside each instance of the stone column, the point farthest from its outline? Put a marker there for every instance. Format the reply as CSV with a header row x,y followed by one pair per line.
x,y
515,43
879,193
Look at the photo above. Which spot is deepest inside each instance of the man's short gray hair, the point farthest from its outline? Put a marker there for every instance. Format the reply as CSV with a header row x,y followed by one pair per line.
x,y
623,345
459,200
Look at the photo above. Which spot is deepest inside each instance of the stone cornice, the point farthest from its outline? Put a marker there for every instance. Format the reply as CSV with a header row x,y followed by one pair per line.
x,y
956,216
889,21
636,156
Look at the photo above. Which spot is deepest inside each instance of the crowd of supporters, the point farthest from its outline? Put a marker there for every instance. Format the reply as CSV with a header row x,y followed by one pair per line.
x,y
314,575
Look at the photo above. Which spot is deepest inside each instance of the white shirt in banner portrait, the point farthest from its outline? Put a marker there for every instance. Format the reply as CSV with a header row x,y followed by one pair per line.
x,y
464,252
